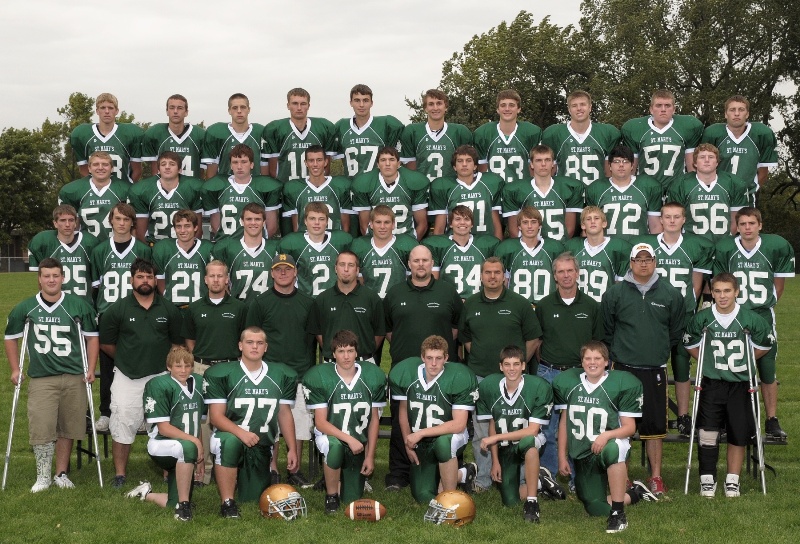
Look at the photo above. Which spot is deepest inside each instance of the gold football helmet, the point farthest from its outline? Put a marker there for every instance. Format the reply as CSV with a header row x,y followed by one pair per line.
x,y
282,501
452,508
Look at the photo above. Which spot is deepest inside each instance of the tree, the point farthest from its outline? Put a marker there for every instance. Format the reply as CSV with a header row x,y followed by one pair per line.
x,y
542,62
25,197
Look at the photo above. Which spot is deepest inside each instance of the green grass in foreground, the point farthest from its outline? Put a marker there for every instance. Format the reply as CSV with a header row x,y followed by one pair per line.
x,y
89,514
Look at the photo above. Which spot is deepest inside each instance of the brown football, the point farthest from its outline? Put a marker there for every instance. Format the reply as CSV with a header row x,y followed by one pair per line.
x,y
365,510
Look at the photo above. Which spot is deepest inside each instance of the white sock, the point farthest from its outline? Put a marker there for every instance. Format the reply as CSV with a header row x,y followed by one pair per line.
x,y
462,475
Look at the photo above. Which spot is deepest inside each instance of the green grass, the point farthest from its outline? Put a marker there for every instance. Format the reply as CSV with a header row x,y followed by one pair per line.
x,y
89,514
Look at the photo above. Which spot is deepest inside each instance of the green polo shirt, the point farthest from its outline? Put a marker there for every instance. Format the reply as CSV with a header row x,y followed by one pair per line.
x,y
493,324
414,313
284,318
143,336
360,311
567,327
215,328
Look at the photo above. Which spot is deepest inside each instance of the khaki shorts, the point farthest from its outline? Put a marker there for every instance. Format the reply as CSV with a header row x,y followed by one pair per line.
x,y
303,418
127,409
56,408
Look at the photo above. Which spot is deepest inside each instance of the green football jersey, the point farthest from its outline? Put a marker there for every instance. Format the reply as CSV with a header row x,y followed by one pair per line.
x,y
600,266
507,155
359,146
111,270
709,207
383,267
595,408
432,403
222,195
482,196
461,265
182,271
564,196
92,204
75,258
349,405
334,193
756,270
315,262
150,200
249,268
188,144
408,194
529,270
662,152
627,208
167,401
581,156
251,399
743,156
531,402
677,263
284,142
725,352
123,143
433,150
220,139
53,347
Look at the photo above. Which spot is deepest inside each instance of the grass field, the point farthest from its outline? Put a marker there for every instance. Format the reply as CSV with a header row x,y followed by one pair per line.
x,y
89,514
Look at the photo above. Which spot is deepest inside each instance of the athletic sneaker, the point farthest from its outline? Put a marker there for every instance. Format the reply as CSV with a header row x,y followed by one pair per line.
x,y
41,484
530,511
298,479
101,425
642,491
118,481
656,485
469,480
63,481
684,425
320,485
183,511
140,491
616,522
708,487
229,510
732,486
394,488
772,428
551,488
367,487
274,477
331,503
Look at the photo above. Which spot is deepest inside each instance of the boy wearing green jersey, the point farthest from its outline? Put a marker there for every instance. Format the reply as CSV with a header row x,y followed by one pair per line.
x,y
177,136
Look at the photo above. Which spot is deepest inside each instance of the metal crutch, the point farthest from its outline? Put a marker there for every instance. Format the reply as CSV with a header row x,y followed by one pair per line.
x,y
85,362
755,404
16,397
698,380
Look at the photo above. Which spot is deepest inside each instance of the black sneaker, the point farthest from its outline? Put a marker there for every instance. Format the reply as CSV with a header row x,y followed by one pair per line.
x,y
298,479
530,511
772,428
331,504
274,477
469,480
551,488
616,522
229,510
684,425
320,485
641,492
183,511
118,481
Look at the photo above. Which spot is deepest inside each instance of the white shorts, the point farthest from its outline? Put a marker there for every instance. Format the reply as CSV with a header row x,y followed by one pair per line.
x,y
303,418
127,410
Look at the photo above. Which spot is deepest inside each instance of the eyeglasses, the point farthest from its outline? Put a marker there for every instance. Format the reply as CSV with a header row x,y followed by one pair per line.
x,y
620,161
646,260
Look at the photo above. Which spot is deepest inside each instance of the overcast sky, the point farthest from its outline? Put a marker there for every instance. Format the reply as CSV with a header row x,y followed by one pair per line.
x,y
144,51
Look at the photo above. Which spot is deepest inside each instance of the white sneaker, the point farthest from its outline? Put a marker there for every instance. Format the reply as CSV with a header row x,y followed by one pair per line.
x,y
102,423
732,486
708,487
367,487
140,491
63,481
41,484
